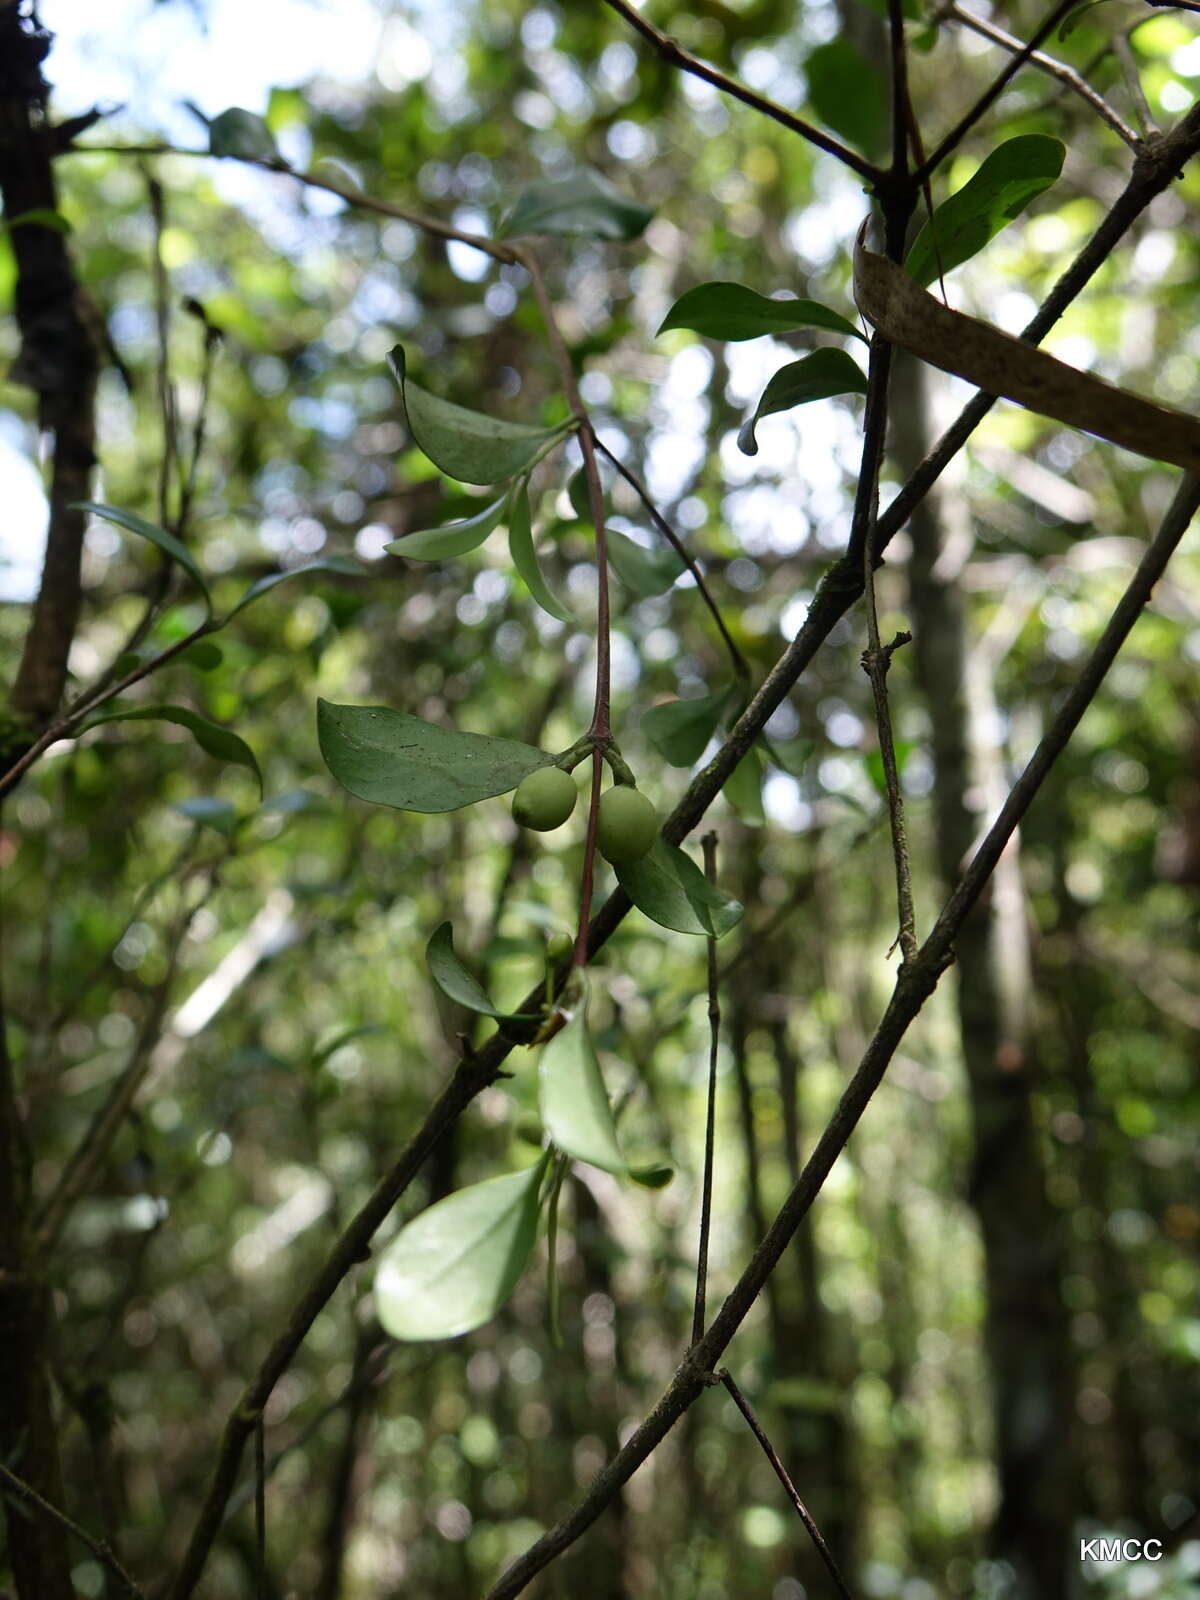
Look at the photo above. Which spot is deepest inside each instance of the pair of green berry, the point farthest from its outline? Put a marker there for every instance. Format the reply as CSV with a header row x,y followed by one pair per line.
x,y
626,822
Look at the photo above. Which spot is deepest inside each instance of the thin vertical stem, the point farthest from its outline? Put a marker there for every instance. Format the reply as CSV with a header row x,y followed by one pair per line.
x,y
802,1511
709,846
260,1505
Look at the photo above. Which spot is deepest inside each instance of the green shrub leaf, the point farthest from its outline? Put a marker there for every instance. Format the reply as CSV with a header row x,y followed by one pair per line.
x,y
453,979
1008,180
347,566
670,888
466,444
584,204
210,736
680,729
524,557
453,1267
455,539
815,377
394,759
848,94
573,1101
645,572
166,542
732,312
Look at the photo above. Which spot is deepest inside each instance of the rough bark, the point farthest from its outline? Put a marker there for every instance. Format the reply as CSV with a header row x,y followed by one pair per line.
x,y
57,360
57,357
1024,1321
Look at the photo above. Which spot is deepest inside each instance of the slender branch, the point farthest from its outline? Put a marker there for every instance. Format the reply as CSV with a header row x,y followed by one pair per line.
x,y
260,1506
915,982
168,412
64,726
676,56
344,191
990,95
740,665
1123,51
802,1511
28,1495
709,845
1048,64
901,105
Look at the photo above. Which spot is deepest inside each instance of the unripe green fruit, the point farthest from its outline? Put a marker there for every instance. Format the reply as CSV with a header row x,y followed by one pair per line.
x,y
626,825
545,799
558,948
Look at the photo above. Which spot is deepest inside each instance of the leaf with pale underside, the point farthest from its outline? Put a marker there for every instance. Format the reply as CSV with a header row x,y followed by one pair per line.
x,y
453,979
573,1101
668,886
455,539
524,557
394,759
452,1268
466,444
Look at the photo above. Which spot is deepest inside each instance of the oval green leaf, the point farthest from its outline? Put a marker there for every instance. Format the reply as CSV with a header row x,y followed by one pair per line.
x,y
210,736
732,312
848,94
241,134
670,888
585,204
645,572
453,979
453,1267
524,557
455,539
166,542
393,759
466,444
573,1101
680,729
1004,185
817,377
347,566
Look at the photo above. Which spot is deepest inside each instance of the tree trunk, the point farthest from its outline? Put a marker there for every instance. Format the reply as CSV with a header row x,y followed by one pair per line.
x,y
1025,1323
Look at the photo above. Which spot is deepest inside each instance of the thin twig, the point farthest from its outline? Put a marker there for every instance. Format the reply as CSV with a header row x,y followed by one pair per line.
x,y
709,846
740,665
676,56
802,1511
991,94
915,982
168,414
1123,51
64,726
1050,65
344,191
260,1506
29,1496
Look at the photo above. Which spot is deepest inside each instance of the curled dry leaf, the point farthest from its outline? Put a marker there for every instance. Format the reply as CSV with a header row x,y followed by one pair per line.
x,y
1001,365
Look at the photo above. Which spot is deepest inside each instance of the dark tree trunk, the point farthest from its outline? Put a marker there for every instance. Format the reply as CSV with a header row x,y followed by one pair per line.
x,y
1025,1322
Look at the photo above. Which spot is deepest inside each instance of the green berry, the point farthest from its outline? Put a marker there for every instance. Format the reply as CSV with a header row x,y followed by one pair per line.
x,y
545,799
558,948
626,825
